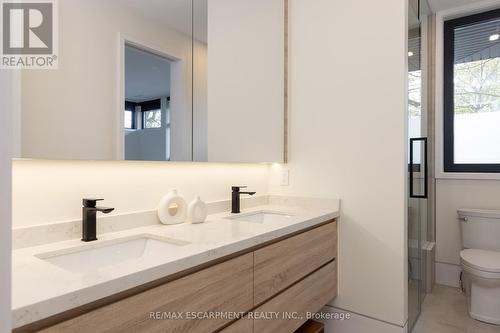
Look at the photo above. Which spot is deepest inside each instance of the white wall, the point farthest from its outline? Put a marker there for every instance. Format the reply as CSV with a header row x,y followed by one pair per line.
x,y
453,194
51,191
245,80
147,144
60,106
348,140
6,106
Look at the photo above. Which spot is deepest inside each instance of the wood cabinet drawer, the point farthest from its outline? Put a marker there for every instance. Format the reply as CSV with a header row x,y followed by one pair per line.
x,y
308,295
223,287
281,264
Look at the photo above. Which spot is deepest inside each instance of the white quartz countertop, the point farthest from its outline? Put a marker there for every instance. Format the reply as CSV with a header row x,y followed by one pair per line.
x,y
42,289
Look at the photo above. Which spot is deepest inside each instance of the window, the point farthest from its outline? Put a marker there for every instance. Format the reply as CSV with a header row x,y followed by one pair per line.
x,y
472,93
143,115
151,113
152,119
129,118
416,152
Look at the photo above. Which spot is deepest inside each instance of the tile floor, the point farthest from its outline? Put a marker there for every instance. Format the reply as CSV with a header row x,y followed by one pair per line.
x,y
444,311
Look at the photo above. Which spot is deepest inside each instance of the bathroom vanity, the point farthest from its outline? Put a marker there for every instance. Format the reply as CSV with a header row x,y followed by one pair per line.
x,y
197,80
259,271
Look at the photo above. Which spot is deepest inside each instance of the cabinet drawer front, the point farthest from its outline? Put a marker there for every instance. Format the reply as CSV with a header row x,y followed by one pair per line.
x,y
279,265
223,287
308,295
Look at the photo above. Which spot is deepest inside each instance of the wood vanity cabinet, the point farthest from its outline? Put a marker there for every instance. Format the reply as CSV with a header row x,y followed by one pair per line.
x,y
281,264
294,275
307,295
244,325
223,287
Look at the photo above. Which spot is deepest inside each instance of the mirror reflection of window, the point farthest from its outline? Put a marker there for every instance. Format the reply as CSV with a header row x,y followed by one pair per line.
x,y
147,104
128,119
152,119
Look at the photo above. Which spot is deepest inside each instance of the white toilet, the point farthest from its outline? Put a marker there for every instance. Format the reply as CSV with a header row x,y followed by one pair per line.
x,y
481,262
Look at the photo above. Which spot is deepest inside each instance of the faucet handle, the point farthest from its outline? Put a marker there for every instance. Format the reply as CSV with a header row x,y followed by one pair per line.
x,y
90,202
237,188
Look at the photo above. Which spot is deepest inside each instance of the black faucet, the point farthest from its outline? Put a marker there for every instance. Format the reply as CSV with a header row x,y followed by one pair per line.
x,y
89,212
235,198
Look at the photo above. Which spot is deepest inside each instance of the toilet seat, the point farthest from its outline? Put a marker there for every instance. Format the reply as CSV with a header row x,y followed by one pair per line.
x,y
482,263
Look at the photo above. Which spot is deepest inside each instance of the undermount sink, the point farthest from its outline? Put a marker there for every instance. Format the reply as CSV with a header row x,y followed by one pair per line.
x,y
98,255
261,217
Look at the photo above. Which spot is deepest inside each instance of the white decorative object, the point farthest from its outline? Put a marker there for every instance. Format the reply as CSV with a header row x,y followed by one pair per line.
x,y
197,211
172,208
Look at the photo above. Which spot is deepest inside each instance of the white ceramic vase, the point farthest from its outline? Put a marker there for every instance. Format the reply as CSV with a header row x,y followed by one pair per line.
x,y
197,211
172,208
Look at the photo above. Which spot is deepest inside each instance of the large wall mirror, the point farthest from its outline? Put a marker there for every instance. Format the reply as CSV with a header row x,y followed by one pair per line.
x,y
161,80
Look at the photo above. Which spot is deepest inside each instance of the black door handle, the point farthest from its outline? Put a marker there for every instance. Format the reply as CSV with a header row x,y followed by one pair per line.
x,y
413,167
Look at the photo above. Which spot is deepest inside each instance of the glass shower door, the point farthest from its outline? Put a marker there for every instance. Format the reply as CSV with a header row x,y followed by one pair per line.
x,y
417,162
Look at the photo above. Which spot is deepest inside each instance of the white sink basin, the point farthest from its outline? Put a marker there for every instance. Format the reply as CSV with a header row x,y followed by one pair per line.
x,y
93,256
262,217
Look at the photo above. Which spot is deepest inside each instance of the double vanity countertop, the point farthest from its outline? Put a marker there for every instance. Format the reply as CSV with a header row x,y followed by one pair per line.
x,y
43,287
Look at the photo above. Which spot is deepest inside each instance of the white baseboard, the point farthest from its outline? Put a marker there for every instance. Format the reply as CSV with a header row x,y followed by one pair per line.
x,y
357,323
448,274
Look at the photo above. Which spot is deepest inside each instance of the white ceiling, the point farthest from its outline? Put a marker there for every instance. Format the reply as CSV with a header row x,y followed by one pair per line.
x,y
147,76
438,5
175,14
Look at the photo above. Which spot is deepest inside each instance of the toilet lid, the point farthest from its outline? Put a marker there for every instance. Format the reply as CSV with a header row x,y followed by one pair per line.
x,y
483,260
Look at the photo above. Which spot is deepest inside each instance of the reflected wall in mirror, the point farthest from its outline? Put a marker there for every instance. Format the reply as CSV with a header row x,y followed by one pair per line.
x,y
244,58
155,91
167,80
147,105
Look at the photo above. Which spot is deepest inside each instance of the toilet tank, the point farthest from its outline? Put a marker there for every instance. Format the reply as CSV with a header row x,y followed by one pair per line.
x,y
480,229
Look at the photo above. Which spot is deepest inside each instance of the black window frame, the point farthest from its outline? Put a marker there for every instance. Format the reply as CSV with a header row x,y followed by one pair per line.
x,y
152,105
449,94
